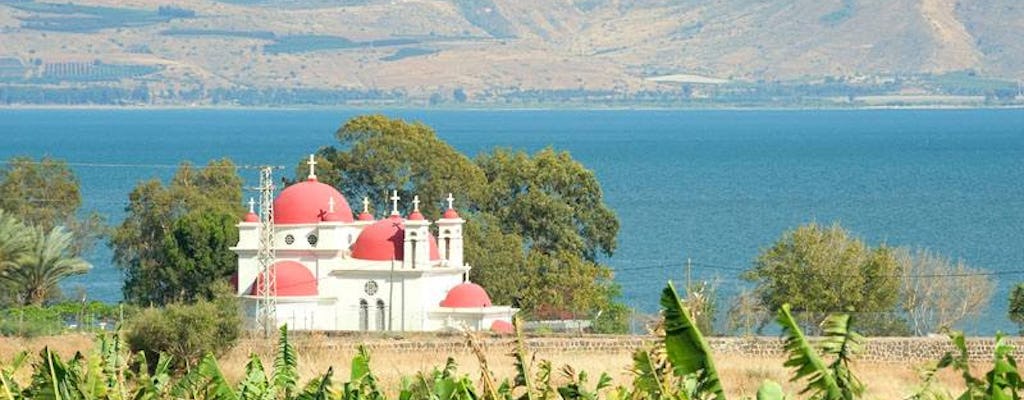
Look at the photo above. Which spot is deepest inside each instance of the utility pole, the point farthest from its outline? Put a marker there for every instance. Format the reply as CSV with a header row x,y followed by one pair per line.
x,y
688,268
266,290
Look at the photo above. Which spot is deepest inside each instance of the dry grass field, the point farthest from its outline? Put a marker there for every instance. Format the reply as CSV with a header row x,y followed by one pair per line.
x,y
741,375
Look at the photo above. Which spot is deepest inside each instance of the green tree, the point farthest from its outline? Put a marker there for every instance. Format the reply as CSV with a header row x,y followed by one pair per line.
x,y
378,154
187,332
35,276
537,224
820,270
14,240
171,232
45,194
1016,311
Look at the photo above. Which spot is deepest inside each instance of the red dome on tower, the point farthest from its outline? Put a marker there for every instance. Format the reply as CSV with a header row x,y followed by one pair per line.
x,y
251,217
385,241
467,295
308,202
292,279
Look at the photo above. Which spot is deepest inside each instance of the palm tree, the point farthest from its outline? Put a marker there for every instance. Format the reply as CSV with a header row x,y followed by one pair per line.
x,y
14,240
49,260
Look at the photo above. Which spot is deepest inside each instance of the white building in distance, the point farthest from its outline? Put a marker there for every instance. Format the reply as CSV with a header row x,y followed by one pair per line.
x,y
337,271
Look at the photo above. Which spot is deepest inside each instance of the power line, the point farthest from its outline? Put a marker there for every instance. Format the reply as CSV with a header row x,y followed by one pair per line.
x,y
139,166
670,266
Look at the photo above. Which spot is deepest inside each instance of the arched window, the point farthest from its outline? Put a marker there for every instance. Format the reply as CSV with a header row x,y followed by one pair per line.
x,y
448,249
381,316
364,315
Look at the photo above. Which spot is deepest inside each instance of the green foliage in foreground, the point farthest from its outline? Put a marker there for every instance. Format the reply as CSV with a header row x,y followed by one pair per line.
x,y
679,367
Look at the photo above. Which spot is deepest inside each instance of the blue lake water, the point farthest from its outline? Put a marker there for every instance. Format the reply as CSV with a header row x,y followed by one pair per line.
x,y
712,186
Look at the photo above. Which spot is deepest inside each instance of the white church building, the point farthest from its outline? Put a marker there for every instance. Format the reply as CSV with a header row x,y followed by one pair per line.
x,y
334,270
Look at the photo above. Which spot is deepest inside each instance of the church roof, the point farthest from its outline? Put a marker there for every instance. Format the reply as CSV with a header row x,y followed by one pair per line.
x,y
384,241
292,279
309,202
466,295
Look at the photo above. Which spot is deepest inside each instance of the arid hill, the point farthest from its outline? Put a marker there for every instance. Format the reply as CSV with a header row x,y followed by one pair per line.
x,y
494,50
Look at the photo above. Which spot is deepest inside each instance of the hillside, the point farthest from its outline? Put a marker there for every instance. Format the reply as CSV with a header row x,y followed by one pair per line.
x,y
509,51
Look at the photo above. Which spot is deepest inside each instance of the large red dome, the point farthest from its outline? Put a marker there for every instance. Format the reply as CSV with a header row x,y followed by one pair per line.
x,y
384,241
293,279
466,295
308,202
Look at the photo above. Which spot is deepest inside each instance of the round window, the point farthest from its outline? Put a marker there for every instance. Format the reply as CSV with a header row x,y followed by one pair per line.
x,y
289,239
370,288
311,239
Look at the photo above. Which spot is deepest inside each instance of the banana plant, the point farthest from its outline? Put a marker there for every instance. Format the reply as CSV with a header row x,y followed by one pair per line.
x,y
9,387
833,381
687,350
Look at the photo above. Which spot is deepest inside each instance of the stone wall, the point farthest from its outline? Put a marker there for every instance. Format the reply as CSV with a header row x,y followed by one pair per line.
x,y
897,350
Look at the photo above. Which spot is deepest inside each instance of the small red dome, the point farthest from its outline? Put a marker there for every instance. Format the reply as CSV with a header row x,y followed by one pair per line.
x,y
385,240
365,217
450,214
503,327
251,217
293,279
416,216
307,203
467,295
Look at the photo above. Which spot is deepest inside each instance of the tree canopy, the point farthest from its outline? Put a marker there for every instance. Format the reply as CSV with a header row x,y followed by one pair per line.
x,y
45,194
537,223
174,241
820,270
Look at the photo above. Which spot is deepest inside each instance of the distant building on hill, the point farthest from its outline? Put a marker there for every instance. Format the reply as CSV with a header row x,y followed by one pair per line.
x,y
334,270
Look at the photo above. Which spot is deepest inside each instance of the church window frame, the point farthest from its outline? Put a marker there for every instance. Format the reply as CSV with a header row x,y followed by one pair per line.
x,y
381,316
312,239
364,315
289,239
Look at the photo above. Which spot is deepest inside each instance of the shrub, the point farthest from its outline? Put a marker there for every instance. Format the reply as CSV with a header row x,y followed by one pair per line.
x,y
186,332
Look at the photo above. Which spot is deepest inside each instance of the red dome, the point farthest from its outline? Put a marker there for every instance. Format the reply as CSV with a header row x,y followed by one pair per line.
x,y
251,217
307,203
416,216
505,327
336,217
365,217
467,295
385,241
293,279
450,214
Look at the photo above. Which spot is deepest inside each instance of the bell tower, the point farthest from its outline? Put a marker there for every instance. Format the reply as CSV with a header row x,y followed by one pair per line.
x,y
449,237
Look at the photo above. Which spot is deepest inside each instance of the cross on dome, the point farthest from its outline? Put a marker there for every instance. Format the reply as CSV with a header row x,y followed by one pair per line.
x,y
252,205
366,205
312,167
394,202
451,201
416,203
330,205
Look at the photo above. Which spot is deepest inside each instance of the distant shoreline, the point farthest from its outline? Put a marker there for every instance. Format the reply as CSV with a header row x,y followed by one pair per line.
x,y
722,107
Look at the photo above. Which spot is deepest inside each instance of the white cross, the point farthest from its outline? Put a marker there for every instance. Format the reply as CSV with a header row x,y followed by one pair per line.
x,y
366,205
312,165
330,205
252,205
451,200
394,202
416,203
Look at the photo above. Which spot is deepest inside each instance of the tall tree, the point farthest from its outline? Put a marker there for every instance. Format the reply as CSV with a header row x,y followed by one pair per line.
x,y
537,224
145,244
377,154
50,259
45,193
937,293
820,270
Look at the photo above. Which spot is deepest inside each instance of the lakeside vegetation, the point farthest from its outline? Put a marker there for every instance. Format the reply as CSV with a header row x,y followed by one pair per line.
x,y
680,365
